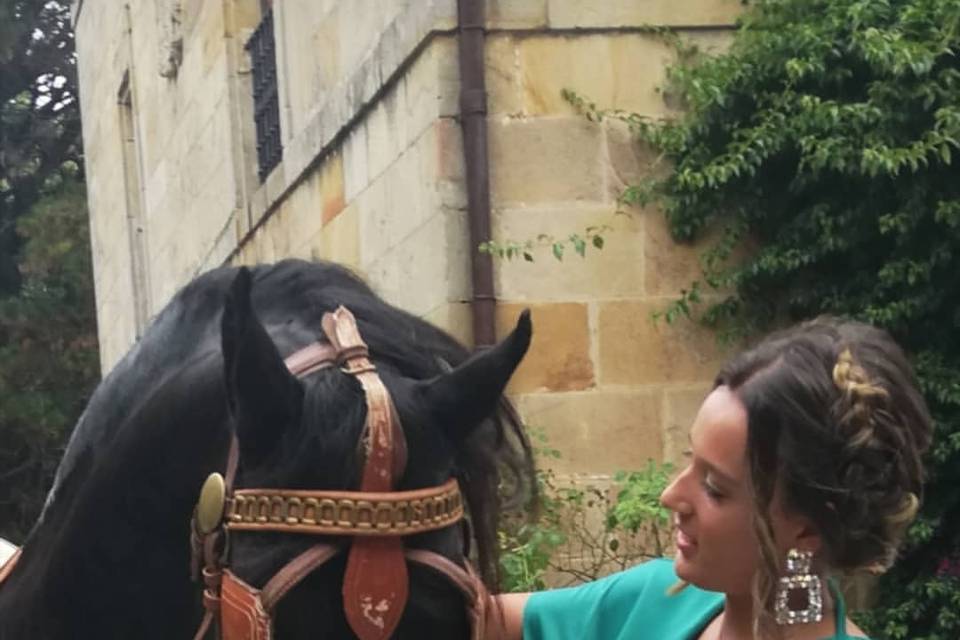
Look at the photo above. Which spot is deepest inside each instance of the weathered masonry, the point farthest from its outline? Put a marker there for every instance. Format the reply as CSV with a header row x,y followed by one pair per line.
x,y
241,131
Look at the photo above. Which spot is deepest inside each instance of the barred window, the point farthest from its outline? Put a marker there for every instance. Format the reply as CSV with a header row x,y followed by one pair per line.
x,y
266,103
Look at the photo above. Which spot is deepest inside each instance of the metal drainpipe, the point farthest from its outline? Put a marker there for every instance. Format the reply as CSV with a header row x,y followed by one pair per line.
x,y
471,30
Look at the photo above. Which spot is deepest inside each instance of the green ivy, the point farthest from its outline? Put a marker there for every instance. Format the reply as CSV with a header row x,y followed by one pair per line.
x,y
821,147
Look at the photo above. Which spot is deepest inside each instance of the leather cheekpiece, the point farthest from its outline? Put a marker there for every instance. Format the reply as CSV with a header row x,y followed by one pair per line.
x,y
242,615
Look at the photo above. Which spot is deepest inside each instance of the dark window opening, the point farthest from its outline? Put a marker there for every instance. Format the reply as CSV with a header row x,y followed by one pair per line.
x,y
266,102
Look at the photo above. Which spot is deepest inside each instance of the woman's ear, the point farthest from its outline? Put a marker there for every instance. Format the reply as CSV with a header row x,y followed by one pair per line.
x,y
463,397
264,396
793,530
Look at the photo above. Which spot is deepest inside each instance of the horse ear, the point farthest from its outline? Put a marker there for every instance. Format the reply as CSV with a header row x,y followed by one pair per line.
x,y
462,398
263,395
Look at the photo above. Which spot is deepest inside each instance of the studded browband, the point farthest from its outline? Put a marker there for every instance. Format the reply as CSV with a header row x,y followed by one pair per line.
x,y
351,513
376,517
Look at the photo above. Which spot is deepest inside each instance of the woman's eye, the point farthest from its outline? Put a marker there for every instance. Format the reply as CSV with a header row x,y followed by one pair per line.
x,y
712,490
687,453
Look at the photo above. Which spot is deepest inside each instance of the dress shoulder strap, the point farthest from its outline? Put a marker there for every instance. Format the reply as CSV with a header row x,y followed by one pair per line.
x,y
841,611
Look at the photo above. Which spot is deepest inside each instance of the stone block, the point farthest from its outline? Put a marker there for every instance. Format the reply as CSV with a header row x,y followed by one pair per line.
x,y
615,71
545,160
356,168
559,356
276,184
325,40
359,29
502,75
456,318
257,205
612,272
597,431
445,65
635,350
671,266
516,14
373,219
219,249
426,268
405,196
569,14
331,187
408,193
213,36
628,160
421,84
303,210
211,215
680,406
445,164
244,14
338,240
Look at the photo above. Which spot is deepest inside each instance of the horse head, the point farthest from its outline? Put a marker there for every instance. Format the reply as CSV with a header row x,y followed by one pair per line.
x,y
110,555
307,432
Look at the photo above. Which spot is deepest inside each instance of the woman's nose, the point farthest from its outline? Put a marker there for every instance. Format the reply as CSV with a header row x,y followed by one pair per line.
x,y
673,496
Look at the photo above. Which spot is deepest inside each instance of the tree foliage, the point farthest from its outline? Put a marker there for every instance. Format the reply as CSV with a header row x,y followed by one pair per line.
x,y
39,118
826,139
48,353
48,350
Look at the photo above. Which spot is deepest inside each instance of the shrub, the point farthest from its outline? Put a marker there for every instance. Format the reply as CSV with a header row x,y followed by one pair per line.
x,y
584,531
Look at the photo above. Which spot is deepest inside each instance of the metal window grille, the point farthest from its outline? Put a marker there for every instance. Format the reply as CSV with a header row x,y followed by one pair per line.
x,y
266,103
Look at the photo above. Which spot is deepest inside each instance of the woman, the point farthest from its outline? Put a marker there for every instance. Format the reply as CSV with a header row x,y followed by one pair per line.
x,y
804,461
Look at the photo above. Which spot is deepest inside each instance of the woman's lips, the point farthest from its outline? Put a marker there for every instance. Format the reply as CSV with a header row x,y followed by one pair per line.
x,y
685,543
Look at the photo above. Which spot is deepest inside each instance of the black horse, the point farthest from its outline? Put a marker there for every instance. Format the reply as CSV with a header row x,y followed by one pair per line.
x,y
110,555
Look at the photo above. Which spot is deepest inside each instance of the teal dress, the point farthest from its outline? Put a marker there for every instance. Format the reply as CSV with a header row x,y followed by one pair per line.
x,y
632,605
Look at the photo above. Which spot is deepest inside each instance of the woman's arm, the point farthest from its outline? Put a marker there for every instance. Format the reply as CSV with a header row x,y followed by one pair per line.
x,y
505,617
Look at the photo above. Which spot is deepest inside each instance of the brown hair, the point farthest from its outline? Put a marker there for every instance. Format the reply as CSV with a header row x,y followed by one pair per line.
x,y
836,421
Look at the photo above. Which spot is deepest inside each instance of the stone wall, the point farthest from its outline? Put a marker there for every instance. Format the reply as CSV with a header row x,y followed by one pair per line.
x,y
608,386
372,176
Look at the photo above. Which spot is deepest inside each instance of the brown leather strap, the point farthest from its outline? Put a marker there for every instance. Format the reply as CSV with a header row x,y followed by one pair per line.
x,y
205,624
233,461
242,615
293,572
352,513
245,611
312,357
467,580
375,585
7,568
341,330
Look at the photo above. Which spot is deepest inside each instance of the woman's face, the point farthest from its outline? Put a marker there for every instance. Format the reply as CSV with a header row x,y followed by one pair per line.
x,y
712,504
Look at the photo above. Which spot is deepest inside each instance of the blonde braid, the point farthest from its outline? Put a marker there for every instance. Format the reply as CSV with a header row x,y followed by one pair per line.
x,y
860,396
863,403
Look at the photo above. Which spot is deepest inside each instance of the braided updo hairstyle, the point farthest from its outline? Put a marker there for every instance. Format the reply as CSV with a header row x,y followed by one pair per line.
x,y
836,421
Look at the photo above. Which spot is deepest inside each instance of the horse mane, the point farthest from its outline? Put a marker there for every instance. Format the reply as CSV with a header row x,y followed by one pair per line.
x,y
494,465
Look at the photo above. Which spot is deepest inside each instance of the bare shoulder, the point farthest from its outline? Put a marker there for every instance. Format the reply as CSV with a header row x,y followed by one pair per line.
x,y
854,630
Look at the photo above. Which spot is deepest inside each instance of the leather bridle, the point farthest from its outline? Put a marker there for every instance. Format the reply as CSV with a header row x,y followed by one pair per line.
x,y
375,518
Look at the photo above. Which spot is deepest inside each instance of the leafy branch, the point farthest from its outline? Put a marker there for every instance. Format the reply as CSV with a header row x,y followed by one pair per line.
x,y
525,249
